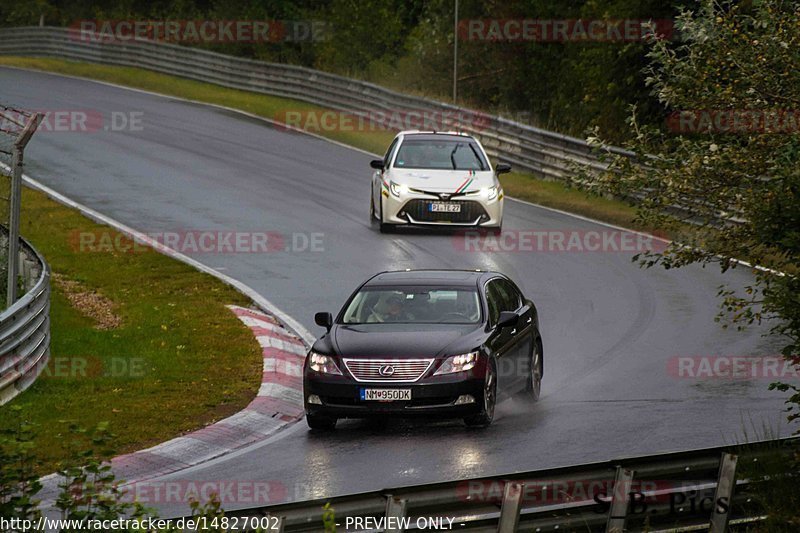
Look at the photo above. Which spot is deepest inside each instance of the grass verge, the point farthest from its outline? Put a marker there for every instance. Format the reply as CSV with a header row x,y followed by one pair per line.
x,y
139,340
518,184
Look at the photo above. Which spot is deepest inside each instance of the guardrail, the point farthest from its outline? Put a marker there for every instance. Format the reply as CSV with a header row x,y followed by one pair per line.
x,y
695,491
549,155
25,327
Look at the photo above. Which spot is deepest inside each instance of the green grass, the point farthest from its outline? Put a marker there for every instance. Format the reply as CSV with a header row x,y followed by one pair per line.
x,y
178,361
558,195
520,185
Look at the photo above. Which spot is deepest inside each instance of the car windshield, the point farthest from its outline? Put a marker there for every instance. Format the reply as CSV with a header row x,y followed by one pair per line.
x,y
414,305
443,155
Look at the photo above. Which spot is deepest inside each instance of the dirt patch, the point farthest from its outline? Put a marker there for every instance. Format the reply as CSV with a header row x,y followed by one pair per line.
x,y
89,303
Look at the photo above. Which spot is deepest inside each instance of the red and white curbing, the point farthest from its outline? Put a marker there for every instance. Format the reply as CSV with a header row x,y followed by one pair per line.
x,y
279,403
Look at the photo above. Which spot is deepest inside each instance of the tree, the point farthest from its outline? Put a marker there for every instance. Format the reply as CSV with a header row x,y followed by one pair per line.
x,y
725,162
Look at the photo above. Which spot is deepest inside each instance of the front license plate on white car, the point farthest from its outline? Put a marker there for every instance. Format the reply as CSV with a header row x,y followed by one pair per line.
x,y
385,395
445,207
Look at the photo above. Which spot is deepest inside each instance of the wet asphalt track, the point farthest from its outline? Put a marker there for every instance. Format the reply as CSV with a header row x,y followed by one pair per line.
x,y
609,328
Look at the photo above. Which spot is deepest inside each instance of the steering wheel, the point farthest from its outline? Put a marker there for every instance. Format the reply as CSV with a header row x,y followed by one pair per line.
x,y
458,316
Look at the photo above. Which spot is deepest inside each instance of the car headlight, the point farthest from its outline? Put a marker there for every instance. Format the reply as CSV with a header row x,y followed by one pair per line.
x,y
398,188
458,363
490,193
323,364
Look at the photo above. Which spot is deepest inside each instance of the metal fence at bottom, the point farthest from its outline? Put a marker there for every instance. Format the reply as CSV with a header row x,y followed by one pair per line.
x,y
687,491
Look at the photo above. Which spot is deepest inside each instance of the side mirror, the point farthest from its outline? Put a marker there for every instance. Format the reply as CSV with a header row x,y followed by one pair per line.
x,y
507,319
378,164
324,319
502,168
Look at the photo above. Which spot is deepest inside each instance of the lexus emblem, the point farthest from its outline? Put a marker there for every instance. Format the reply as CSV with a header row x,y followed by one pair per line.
x,y
386,370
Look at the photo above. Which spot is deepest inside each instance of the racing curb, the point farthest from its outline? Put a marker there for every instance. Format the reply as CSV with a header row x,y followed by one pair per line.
x,y
278,404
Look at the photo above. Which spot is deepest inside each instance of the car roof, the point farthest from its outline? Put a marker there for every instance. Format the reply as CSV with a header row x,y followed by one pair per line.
x,y
465,278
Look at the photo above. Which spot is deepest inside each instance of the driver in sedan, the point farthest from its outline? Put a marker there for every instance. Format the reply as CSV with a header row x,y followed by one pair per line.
x,y
393,310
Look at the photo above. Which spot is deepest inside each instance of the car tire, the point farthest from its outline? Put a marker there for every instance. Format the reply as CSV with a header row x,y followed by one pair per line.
x,y
489,399
533,387
320,422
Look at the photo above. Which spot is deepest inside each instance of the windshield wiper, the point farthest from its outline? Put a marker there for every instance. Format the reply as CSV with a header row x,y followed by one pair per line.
x,y
453,155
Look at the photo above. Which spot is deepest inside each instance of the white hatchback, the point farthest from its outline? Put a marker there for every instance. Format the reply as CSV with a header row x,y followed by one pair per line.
x,y
436,179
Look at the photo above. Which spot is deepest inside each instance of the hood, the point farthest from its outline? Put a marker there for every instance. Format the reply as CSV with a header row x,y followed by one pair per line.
x,y
397,340
442,180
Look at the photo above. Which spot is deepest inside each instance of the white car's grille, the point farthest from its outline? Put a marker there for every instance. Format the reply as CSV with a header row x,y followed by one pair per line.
x,y
388,370
420,210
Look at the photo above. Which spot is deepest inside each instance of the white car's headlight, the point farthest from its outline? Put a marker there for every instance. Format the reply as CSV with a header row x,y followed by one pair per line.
x,y
490,193
458,363
323,364
398,188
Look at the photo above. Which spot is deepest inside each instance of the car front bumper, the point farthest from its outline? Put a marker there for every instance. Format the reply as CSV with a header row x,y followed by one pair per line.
x,y
412,209
434,397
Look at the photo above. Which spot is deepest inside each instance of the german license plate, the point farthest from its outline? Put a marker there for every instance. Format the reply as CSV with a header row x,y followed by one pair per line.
x,y
385,395
445,207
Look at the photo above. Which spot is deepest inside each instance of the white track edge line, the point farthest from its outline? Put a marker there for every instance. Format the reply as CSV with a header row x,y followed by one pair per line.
x,y
248,291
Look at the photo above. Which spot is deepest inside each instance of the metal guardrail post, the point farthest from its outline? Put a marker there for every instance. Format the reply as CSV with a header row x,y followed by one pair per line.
x,y
15,201
724,493
619,502
509,512
395,512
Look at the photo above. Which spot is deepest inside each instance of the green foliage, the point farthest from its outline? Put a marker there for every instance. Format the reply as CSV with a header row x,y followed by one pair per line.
x,y
26,12
738,188
89,489
775,488
329,518
364,31
19,482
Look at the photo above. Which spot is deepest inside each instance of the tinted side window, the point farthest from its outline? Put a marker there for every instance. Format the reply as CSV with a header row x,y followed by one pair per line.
x,y
494,300
511,296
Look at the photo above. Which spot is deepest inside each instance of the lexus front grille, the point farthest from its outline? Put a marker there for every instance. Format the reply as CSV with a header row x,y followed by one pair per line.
x,y
388,370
